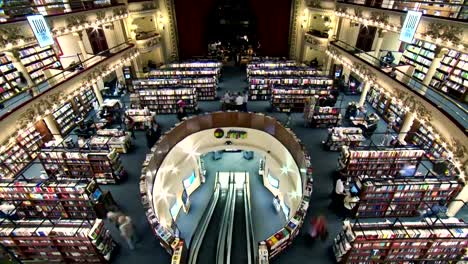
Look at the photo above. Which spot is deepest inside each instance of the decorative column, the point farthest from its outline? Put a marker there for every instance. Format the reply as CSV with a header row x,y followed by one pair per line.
x,y
97,91
67,6
119,74
338,28
439,54
136,67
406,126
455,206
329,65
378,44
81,44
53,127
14,56
364,93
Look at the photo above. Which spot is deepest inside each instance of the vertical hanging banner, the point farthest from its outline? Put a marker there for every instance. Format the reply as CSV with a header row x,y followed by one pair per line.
x,y
410,26
41,30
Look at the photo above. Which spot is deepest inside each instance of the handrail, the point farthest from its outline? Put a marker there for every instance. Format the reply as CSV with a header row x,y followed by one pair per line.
x,y
251,243
458,9
200,231
443,103
221,245
23,98
231,221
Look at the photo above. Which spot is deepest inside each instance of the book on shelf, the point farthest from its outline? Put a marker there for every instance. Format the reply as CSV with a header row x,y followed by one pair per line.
x,y
65,117
58,241
36,59
409,240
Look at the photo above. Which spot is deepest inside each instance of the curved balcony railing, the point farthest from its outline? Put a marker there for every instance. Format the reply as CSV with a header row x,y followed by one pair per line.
x,y
57,79
451,9
12,11
457,110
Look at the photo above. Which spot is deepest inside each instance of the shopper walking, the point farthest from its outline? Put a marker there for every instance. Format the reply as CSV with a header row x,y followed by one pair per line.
x,y
239,102
318,228
338,196
244,103
131,126
127,230
113,217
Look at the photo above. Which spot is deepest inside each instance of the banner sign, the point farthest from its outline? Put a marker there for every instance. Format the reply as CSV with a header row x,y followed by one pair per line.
x,y
410,26
41,30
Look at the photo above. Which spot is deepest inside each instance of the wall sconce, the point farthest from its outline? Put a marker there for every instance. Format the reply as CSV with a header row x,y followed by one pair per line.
x,y
161,20
304,18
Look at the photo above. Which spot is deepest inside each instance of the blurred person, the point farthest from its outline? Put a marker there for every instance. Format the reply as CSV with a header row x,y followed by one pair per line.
x,y
127,230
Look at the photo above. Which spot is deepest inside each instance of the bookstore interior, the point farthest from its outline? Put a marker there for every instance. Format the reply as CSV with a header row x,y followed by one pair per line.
x,y
340,138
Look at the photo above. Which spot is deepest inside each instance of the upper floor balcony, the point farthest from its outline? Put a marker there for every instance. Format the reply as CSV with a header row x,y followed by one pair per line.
x,y
457,111
448,9
71,77
136,7
17,10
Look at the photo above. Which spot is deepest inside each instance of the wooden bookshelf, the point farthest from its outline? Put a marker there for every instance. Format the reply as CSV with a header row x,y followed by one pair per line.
x,y
344,136
83,102
381,164
54,200
325,117
188,72
260,86
164,100
37,59
283,238
77,165
420,55
58,241
65,117
424,241
282,71
420,135
403,197
205,86
142,117
9,74
452,75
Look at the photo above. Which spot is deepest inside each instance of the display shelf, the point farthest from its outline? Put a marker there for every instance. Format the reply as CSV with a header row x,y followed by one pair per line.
x,y
382,164
53,200
65,117
269,65
83,103
113,138
289,98
325,117
164,100
396,111
205,86
427,240
142,118
282,71
452,74
61,241
18,152
9,74
260,86
77,165
420,55
344,136
403,197
194,64
36,59
184,72
422,136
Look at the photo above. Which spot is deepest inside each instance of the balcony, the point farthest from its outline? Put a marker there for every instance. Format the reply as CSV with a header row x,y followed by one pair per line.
x,y
147,41
451,9
13,11
457,111
141,7
59,78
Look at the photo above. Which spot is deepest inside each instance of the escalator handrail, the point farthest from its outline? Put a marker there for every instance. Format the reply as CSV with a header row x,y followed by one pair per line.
x,y
231,223
200,230
220,257
249,222
247,225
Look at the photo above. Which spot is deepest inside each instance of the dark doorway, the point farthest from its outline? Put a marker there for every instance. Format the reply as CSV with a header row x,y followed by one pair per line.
x,y
97,39
366,38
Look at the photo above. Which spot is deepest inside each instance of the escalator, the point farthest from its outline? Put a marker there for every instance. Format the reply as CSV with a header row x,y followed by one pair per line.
x,y
239,248
225,233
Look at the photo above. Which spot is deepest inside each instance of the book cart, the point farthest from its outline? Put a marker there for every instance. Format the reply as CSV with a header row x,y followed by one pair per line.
x,y
430,240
